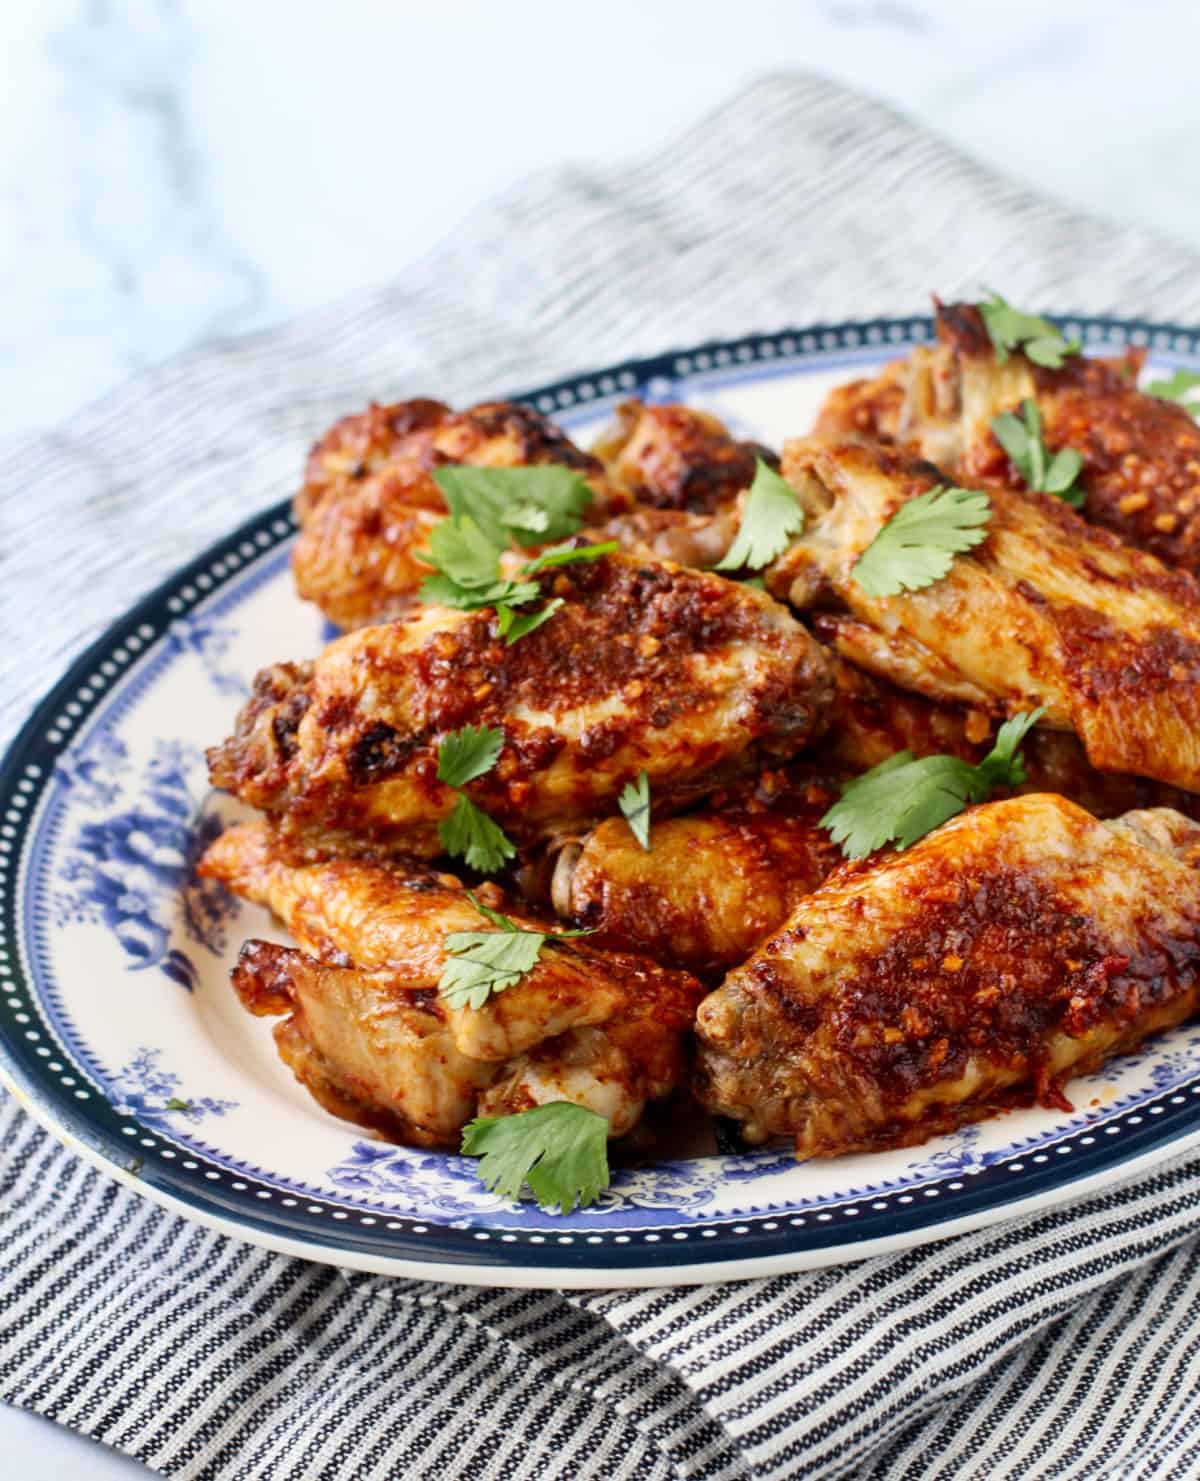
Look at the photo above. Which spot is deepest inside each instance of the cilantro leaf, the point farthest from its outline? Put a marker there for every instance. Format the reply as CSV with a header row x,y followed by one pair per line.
x,y
460,550
1009,329
1178,387
902,799
444,592
468,753
469,834
918,544
771,517
530,505
514,626
559,1149
1021,439
175,1104
634,802
564,555
480,963
1003,765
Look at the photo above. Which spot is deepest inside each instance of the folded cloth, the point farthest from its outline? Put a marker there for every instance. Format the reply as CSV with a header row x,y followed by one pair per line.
x,y
1060,1345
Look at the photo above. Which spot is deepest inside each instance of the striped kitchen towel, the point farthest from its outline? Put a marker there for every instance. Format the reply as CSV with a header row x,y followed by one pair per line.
x,y
1062,1345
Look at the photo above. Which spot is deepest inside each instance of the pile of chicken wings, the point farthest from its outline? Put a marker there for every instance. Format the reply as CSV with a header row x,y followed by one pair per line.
x,y
639,790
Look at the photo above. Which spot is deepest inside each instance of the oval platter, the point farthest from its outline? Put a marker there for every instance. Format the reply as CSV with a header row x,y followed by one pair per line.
x,y
119,1032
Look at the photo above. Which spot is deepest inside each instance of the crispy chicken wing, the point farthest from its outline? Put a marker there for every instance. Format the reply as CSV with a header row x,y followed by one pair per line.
x,y
684,675
369,502
1046,611
1020,944
685,472
868,408
369,1035
675,457
712,884
870,720
1141,454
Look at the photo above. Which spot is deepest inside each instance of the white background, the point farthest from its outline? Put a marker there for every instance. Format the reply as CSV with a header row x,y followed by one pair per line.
x,y
170,173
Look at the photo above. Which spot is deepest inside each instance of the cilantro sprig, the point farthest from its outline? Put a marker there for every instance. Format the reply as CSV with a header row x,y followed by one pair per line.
x,y
489,508
1011,330
481,963
467,832
917,546
902,799
1179,388
771,518
560,1150
634,803
1021,438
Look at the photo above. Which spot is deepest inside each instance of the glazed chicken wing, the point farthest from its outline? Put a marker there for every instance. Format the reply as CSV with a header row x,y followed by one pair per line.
x,y
684,675
367,1032
685,472
712,885
1141,454
1020,944
868,409
1047,611
369,502
675,457
870,720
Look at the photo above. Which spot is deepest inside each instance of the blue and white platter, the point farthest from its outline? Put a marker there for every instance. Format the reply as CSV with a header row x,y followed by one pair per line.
x,y
119,1031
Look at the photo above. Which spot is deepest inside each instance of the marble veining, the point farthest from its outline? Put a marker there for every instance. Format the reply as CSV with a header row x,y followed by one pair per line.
x,y
174,171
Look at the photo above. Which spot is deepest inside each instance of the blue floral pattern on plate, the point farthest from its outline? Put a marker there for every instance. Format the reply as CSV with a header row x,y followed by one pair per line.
x,y
132,869
142,1089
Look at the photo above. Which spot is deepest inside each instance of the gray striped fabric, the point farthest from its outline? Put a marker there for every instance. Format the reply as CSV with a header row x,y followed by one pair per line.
x,y
1061,1346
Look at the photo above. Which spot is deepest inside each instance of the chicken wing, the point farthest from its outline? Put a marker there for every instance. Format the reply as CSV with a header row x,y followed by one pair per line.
x,y
369,502
1047,611
675,457
870,720
712,885
1020,944
867,409
369,1035
1141,454
685,472
684,675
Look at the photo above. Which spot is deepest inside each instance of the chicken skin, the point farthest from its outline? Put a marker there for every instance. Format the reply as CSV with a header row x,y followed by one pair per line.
x,y
675,457
1047,611
713,884
685,472
1022,943
1141,454
369,1035
369,501
677,673
870,720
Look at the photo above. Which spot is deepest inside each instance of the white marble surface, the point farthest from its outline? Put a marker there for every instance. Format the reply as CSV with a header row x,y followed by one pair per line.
x,y
172,172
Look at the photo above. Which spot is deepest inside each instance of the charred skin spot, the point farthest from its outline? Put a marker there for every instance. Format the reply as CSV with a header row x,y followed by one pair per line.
x,y
286,722
540,440
379,752
961,326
